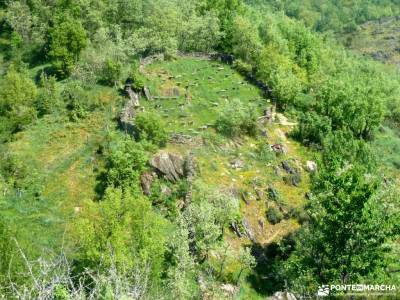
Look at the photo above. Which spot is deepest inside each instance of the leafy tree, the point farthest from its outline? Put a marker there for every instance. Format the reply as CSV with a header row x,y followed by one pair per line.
x,y
246,43
124,231
346,238
17,95
67,40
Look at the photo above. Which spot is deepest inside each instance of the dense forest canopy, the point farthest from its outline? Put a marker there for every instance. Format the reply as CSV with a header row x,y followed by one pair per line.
x,y
71,65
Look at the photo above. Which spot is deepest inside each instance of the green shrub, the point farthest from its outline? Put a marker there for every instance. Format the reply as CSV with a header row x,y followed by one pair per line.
x,y
312,128
274,216
17,95
264,152
46,102
150,127
236,118
67,40
76,100
125,162
112,71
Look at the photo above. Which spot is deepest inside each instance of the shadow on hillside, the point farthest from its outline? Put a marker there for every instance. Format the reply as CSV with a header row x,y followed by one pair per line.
x,y
268,276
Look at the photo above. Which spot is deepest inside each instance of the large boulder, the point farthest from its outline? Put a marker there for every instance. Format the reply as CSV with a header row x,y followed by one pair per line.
x,y
169,164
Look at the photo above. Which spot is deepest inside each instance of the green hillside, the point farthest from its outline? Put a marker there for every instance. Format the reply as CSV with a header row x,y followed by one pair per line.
x,y
228,149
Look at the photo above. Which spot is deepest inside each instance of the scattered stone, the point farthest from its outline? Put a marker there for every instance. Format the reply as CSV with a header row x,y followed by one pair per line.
x,y
247,231
169,164
282,296
261,223
294,179
245,197
204,127
147,94
229,289
311,166
259,194
279,148
237,164
236,229
127,116
277,171
190,166
166,191
286,166
264,133
146,180
273,193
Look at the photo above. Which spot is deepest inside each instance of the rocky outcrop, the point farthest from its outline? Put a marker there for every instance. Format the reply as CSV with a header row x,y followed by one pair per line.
x,y
146,180
168,164
127,116
147,94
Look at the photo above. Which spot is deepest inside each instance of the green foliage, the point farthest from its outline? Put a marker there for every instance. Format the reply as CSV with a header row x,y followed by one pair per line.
x,y
125,162
17,95
264,152
76,100
313,128
208,215
47,99
274,216
150,127
67,39
348,230
112,71
236,118
122,230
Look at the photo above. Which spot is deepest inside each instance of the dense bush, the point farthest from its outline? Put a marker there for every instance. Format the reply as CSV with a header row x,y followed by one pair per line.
x,y
236,118
125,162
112,72
17,96
150,127
67,40
274,216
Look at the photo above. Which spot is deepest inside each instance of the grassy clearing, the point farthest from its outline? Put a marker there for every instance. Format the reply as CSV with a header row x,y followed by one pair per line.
x,y
201,87
59,159
210,84
378,39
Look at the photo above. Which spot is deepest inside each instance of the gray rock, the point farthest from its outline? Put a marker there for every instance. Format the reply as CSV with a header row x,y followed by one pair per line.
x,y
282,296
169,164
245,197
147,94
311,166
279,148
237,164
236,229
247,230
286,166
146,180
